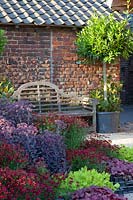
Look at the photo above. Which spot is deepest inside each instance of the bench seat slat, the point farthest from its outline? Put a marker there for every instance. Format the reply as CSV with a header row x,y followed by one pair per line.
x,y
45,110
76,113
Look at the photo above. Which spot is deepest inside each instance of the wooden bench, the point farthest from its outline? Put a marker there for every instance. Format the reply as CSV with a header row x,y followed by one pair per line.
x,y
47,97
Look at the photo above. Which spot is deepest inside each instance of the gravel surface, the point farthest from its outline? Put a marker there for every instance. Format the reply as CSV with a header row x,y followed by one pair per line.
x,y
129,196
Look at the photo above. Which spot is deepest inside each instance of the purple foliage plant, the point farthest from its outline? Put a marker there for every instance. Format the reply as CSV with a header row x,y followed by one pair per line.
x,y
48,146
16,112
52,148
96,193
118,167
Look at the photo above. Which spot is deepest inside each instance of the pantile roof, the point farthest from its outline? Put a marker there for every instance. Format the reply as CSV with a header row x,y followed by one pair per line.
x,y
51,12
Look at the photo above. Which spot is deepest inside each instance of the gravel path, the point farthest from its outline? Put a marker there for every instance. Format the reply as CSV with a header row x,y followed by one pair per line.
x,y
129,196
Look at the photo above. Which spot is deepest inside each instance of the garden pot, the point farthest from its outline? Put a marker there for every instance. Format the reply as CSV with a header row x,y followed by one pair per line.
x,y
108,122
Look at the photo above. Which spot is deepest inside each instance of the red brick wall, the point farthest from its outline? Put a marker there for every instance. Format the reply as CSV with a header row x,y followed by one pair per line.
x,y
27,53
34,53
69,75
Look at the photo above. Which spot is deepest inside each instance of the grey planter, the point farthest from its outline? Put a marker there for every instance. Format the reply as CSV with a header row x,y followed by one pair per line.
x,y
108,122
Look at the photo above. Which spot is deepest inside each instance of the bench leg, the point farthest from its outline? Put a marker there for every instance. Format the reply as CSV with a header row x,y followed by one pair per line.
x,y
94,114
94,122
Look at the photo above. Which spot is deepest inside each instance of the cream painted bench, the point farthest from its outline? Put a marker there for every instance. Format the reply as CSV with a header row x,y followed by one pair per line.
x,y
47,97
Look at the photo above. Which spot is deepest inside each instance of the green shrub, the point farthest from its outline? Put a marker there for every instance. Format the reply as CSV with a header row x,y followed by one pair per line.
x,y
125,153
77,163
81,158
100,167
84,178
3,40
114,102
6,88
74,136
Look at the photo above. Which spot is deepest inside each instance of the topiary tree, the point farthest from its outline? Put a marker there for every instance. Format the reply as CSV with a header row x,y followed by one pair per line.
x,y
2,41
105,39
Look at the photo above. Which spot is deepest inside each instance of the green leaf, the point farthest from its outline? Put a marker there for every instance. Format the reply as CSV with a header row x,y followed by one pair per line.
x,y
104,38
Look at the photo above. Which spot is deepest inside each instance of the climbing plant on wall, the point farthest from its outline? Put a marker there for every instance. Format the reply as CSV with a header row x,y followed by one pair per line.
x,y
3,40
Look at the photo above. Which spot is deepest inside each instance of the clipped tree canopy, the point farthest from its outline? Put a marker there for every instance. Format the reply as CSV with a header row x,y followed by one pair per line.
x,y
105,39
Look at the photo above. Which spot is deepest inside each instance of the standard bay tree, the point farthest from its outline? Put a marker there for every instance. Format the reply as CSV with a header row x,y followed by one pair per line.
x,y
105,39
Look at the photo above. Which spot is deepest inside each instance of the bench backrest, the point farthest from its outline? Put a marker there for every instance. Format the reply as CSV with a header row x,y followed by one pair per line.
x,y
46,97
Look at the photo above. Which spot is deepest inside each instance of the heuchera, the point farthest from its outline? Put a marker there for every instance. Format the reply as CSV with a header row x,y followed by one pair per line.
x,y
3,192
16,112
70,120
96,193
6,128
86,157
18,184
55,122
12,156
47,145
104,146
91,153
119,167
23,135
52,148
100,144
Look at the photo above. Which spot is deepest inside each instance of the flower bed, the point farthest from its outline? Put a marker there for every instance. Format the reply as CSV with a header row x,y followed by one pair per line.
x,y
51,159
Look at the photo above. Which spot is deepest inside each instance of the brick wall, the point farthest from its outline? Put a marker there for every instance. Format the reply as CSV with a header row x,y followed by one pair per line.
x,y
35,53
26,57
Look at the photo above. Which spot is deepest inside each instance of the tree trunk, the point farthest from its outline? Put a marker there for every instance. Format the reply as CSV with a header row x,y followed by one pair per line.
x,y
105,81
